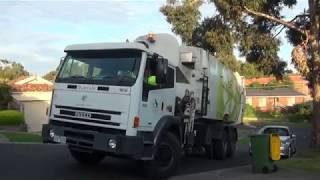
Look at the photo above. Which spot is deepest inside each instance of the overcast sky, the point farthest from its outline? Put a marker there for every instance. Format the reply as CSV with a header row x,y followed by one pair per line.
x,y
35,33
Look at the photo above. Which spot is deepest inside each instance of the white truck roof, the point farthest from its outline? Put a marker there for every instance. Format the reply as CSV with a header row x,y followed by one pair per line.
x,y
106,46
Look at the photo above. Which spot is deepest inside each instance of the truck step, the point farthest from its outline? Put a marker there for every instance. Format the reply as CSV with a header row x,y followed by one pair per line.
x,y
148,142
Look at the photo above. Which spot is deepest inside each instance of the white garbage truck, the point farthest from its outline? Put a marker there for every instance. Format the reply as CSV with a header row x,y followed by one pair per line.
x,y
150,100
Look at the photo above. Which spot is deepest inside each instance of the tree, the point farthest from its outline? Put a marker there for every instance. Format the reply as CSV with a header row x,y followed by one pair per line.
x,y
5,95
11,70
252,25
50,76
185,18
219,35
250,70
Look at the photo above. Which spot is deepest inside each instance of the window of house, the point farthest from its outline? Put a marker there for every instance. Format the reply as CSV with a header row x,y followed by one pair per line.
x,y
291,101
262,102
249,101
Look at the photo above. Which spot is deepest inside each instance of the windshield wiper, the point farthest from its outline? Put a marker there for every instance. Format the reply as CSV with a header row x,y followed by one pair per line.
x,y
77,77
124,80
109,77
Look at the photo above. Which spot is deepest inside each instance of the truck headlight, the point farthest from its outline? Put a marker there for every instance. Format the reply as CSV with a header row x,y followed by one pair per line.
x,y
112,143
51,133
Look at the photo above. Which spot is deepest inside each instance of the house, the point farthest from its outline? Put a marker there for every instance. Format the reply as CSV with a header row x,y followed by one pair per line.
x,y
31,95
275,98
269,99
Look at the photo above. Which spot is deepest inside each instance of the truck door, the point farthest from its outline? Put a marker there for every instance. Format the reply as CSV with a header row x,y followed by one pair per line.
x,y
157,100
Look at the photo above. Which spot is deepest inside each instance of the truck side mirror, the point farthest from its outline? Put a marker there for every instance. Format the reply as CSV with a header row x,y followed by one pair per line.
x,y
161,70
61,62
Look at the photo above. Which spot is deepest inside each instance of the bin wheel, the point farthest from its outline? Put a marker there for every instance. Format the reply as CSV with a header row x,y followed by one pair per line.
x,y
275,168
265,170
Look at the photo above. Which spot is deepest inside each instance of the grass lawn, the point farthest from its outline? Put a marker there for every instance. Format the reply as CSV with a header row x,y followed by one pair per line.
x,y
21,136
309,161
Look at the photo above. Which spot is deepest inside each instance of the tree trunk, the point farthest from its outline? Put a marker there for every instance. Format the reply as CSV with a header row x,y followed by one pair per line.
x,y
316,117
315,60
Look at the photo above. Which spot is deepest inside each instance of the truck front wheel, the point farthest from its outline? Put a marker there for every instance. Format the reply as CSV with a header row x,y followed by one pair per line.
x,y
86,157
166,158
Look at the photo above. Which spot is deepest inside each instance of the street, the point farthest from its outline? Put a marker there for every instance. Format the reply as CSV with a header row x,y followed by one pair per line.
x,y
54,162
43,161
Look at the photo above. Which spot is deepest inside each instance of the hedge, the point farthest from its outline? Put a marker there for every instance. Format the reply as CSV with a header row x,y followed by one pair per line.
x,y
249,111
300,112
11,117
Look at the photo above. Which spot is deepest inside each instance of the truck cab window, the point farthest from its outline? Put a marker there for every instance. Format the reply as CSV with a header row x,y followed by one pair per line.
x,y
180,78
150,70
170,78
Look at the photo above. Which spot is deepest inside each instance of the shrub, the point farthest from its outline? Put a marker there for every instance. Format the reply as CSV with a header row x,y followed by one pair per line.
x,y
249,111
11,117
5,95
300,112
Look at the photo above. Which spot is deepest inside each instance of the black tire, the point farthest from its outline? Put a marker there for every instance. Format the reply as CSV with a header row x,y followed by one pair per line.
x,y
265,170
166,159
220,149
275,168
209,151
87,158
288,155
231,148
289,152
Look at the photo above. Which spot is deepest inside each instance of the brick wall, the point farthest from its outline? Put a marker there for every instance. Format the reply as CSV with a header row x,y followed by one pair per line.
x,y
272,102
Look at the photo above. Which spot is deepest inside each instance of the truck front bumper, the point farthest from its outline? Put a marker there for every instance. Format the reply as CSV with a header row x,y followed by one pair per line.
x,y
131,146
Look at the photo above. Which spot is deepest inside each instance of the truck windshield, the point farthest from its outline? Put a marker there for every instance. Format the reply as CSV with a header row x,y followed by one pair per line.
x,y
116,67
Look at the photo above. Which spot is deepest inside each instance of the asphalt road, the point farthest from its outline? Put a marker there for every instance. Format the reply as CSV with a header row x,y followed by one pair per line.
x,y
42,161
30,161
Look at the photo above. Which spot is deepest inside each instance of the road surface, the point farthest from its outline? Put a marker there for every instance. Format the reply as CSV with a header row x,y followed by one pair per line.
x,y
51,162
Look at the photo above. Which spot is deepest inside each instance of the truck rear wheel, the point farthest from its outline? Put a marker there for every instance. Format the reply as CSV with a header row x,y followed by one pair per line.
x,y
220,149
209,151
166,158
231,148
86,157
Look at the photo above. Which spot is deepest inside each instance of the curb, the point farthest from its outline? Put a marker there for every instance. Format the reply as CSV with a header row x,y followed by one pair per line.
x,y
3,139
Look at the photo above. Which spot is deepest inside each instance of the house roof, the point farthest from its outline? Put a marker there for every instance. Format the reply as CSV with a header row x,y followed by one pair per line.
x,y
275,92
30,83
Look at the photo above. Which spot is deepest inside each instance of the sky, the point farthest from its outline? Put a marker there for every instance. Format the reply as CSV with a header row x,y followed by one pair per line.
x,y
35,33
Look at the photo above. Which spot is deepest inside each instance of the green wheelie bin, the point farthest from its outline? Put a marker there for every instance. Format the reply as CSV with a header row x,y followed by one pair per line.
x,y
261,156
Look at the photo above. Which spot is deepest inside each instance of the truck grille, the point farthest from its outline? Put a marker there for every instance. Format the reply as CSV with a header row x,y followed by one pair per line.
x,y
86,115
90,110
87,127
